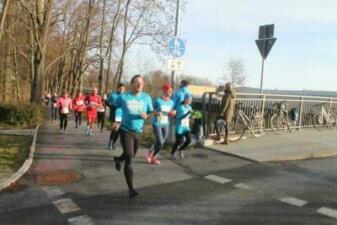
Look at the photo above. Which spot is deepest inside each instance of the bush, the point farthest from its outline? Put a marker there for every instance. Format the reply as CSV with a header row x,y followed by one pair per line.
x,y
23,115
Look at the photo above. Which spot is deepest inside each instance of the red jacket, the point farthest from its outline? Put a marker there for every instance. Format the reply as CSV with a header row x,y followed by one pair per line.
x,y
78,104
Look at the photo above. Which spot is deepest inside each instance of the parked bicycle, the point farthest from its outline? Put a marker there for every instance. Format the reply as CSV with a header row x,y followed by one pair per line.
x,y
324,118
241,123
280,121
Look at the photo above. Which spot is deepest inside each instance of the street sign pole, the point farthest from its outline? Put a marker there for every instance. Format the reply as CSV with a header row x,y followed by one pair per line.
x,y
175,34
265,43
261,83
171,138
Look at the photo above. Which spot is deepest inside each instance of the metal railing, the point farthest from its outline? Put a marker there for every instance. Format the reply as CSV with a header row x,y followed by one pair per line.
x,y
210,103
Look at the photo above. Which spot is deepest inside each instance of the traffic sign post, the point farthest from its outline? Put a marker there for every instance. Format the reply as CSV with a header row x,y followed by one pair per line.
x,y
265,43
175,64
176,47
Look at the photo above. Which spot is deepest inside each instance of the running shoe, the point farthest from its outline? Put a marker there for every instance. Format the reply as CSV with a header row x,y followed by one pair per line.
x,y
132,193
148,156
155,161
65,131
87,132
90,132
173,156
118,165
181,154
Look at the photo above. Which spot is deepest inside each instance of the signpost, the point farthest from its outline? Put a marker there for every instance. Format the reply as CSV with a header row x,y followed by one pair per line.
x,y
265,43
175,64
176,47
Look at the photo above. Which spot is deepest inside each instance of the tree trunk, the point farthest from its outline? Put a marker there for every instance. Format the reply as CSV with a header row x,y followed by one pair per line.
x,y
3,16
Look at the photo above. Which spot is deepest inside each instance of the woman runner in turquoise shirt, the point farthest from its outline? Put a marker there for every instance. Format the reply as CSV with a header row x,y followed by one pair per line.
x,y
163,110
184,111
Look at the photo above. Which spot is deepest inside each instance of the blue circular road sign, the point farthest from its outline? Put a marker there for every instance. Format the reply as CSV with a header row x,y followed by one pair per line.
x,y
176,47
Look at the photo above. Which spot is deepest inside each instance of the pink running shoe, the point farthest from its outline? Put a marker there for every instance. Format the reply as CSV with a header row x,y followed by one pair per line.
x,y
148,156
154,160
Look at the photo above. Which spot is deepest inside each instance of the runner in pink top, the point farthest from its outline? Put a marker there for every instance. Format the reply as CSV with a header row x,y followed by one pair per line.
x,y
64,105
92,102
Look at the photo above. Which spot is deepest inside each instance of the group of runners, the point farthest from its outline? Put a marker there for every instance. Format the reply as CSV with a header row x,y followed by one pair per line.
x,y
128,112
92,104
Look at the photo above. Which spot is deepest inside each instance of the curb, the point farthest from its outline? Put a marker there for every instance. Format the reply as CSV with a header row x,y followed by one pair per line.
x,y
231,154
7,181
280,159
304,157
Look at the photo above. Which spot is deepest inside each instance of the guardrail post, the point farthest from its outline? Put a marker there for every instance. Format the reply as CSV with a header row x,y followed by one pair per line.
x,y
301,113
263,105
210,102
205,127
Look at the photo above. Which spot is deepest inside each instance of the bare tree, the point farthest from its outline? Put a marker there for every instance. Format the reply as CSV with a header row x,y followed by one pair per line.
x,y
39,12
235,72
3,16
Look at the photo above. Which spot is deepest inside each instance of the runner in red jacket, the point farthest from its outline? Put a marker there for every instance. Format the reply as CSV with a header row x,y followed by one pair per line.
x,y
78,107
92,102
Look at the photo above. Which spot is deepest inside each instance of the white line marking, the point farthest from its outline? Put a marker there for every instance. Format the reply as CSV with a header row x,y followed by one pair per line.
x,y
243,186
53,191
66,205
218,179
328,212
294,201
80,220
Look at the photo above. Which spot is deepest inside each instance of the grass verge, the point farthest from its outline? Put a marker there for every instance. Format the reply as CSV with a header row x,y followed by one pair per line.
x,y
14,150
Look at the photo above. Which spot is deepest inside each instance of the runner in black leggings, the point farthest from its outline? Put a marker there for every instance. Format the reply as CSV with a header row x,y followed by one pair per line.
x,y
64,105
136,105
115,114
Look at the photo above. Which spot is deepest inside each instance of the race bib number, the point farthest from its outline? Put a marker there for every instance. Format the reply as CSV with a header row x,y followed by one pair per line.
x,y
165,108
65,110
80,103
101,109
185,122
118,119
54,105
135,107
93,104
163,120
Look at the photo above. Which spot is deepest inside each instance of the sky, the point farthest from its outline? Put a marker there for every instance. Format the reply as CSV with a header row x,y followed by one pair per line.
x,y
303,57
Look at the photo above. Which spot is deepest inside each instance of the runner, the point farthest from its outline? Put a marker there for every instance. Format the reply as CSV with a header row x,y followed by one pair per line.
x,y
115,114
163,109
182,127
54,109
92,102
179,95
101,113
79,107
136,106
64,105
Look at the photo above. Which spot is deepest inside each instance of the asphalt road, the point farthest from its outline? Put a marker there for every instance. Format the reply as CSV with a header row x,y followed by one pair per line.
x,y
207,187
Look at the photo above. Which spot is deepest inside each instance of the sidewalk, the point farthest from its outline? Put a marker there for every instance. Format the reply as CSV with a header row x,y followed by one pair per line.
x,y
304,144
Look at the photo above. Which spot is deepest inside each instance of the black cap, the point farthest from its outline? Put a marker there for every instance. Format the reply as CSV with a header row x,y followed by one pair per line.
x,y
184,83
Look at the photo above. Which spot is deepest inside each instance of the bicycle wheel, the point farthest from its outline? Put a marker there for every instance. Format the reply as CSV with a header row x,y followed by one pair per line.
x,y
331,121
278,124
236,130
318,121
257,127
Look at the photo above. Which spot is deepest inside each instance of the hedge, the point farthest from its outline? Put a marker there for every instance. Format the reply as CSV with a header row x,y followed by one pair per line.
x,y
23,115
